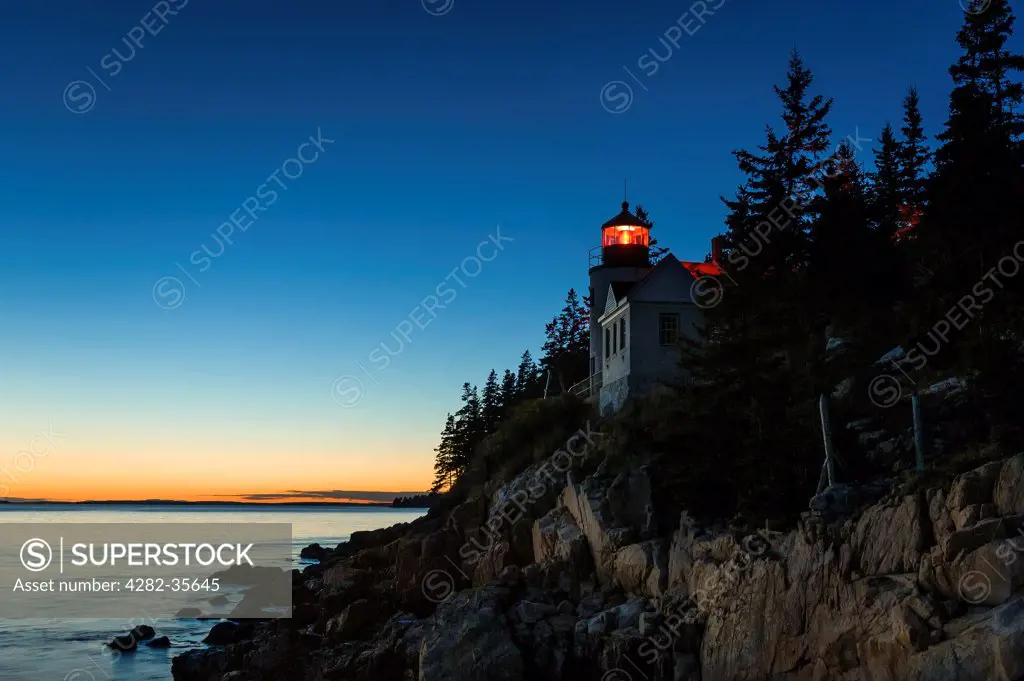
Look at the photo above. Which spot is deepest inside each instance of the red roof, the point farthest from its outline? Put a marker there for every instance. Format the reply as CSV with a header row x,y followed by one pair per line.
x,y
702,269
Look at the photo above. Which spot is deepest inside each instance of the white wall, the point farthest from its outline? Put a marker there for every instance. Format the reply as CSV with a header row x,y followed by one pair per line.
x,y
617,365
600,278
651,361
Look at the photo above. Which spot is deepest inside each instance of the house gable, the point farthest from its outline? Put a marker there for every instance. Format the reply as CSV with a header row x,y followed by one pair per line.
x,y
610,303
668,282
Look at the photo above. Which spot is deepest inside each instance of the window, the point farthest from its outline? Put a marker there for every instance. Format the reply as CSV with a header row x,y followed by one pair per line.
x,y
607,344
614,347
668,329
622,333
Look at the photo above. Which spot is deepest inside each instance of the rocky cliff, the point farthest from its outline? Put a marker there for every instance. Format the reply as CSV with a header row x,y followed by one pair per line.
x,y
556,576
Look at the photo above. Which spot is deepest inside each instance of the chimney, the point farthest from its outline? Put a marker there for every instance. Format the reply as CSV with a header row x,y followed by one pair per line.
x,y
716,249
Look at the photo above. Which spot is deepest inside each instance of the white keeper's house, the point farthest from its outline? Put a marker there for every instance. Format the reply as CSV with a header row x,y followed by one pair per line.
x,y
638,312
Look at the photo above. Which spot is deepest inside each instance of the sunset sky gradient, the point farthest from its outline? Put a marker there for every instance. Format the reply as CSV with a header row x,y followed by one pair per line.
x,y
444,127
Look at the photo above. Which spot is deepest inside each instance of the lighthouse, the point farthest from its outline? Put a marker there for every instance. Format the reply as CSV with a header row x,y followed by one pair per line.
x,y
624,258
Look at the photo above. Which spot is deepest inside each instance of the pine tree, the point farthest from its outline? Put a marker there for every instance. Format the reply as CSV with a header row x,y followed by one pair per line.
x,y
469,427
656,252
491,403
807,134
445,459
567,345
987,66
972,217
527,378
509,390
889,183
851,266
914,154
752,370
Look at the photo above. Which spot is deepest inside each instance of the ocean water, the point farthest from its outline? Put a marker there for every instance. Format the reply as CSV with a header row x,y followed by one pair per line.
x,y
75,650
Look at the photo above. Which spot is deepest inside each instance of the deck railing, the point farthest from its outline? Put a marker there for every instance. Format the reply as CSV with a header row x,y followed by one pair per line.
x,y
588,387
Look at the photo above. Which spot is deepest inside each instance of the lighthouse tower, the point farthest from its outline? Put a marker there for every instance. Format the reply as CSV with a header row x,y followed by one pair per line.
x,y
623,257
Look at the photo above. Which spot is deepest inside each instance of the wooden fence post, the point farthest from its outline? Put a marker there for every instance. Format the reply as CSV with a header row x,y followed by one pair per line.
x,y
826,433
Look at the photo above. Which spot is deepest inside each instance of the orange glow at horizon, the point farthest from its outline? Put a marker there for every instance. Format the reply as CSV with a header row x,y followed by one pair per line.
x,y
90,474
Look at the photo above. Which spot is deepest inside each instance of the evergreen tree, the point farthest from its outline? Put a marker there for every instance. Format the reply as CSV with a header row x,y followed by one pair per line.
x,y
567,345
509,390
914,154
446,455
656,252
807,134
469,427
491,404
851,267
889,184
527,378
752,389
972,217
985,71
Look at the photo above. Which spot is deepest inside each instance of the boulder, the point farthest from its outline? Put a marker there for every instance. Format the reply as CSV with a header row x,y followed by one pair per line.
x,y
939,515
314,552
222,634
631,503
890,538
159,642
355,621
642,568
507,536
680,553
550,644
982,573
973,487
125,644
529,612
557,538
971,515
909,628
1009,487
590,605
834,501
142,632
588,503
468,639
993,648
203,665
970,538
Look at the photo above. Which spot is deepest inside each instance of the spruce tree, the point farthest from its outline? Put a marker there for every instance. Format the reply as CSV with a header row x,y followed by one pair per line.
x,y
850,266
527,378
446,454
914,154
888,184
508,392
750,399
469,427
490,408
657,252
972,218
567,343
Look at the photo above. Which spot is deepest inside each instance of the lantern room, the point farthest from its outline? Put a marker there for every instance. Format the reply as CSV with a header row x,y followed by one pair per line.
x,y
625,240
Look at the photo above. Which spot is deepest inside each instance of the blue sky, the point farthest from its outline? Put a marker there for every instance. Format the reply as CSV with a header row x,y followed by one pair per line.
x,y
445,126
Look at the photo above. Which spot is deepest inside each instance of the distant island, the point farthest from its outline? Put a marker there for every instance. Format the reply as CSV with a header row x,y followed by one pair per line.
x,y
417,501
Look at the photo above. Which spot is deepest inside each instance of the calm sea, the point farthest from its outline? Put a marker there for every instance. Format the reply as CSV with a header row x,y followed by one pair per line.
x,y
73,650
